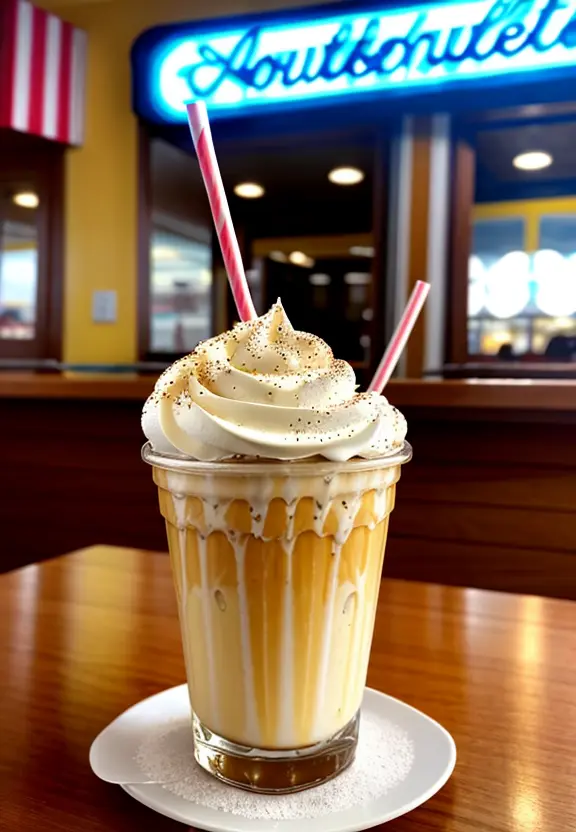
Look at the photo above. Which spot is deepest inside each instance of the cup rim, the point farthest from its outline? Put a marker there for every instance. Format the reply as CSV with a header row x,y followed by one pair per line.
x,y
243,467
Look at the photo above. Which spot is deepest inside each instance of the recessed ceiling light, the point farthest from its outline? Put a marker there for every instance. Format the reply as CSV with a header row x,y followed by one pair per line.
x,y
318,279
26,199
301,259
249,190
362,251
346,176
357,278
532,160
279,256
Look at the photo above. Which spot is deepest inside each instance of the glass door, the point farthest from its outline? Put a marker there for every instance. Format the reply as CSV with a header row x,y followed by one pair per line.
x,y
179,308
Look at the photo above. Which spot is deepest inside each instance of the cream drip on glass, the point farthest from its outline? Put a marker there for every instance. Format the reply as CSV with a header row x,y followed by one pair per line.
x,y
266,390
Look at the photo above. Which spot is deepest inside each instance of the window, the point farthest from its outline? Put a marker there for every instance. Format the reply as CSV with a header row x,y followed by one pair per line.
x,y
522,297
180,290
496,287
176,281
554,265
31,179
18,281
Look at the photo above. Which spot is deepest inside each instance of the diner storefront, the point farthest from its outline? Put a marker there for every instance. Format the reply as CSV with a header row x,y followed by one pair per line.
x,y
425,109
42,65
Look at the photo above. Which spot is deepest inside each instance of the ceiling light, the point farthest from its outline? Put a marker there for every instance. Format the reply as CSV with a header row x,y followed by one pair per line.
x,y
556,286
318,279
476,270
476,297
508,285
533,160
249,190
301,259
357,278
362,251
26,199
278,256
346,176
164,253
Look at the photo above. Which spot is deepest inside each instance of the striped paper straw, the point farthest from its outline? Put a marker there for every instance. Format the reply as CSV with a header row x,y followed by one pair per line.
x,y
202,138
398,341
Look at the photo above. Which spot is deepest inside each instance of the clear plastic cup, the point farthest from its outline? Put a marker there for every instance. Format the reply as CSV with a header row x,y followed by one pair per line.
x,y
277,568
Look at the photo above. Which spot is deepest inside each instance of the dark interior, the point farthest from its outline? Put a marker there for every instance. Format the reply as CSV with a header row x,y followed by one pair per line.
x,y
539,129
299,203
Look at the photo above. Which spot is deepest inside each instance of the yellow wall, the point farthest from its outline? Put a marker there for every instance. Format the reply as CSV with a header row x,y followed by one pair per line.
x,y
530,210
101,178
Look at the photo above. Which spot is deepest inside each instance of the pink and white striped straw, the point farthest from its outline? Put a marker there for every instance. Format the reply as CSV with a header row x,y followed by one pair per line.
x,y
202,138
400,337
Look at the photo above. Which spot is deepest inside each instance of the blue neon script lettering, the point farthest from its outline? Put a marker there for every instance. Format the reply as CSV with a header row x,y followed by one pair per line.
x,y
504,31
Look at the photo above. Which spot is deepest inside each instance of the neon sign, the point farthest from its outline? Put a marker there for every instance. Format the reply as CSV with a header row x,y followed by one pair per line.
x,y
271,60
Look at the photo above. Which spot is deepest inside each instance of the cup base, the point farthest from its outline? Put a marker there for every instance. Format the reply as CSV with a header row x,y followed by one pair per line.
x,y
275,772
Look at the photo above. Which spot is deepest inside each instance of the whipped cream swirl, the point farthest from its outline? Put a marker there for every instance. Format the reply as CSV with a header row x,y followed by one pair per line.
x,y
266,390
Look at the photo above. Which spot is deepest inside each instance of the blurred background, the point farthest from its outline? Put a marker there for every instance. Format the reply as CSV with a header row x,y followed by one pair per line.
x,y
109,270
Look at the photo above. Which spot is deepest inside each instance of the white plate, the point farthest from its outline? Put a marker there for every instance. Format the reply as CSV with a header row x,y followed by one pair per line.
x,y
113,752
434,760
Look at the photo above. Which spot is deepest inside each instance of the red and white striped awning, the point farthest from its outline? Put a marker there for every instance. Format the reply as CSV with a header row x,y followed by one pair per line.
x,y
42,73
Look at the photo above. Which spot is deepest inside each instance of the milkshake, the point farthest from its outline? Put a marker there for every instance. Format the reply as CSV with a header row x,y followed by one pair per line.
x,y
276,480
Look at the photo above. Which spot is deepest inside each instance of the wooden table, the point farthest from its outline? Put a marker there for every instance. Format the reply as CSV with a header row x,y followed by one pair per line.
x,y
85,636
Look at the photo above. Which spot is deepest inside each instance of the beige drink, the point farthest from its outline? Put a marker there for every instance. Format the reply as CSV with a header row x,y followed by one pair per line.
x,y
277,568
276,478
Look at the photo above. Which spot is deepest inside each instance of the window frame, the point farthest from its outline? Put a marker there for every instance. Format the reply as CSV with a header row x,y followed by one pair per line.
x,y
41,162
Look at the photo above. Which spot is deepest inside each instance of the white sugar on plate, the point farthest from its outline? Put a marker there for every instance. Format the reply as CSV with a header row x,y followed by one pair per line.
x,y
383,760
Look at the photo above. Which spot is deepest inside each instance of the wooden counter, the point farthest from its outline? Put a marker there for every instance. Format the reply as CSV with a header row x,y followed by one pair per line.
x,y
488,501
110,386
509,394
484,394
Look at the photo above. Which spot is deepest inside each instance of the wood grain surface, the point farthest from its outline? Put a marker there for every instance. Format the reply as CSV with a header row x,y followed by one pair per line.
x,y
85,636
487,501
538,396
487,504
